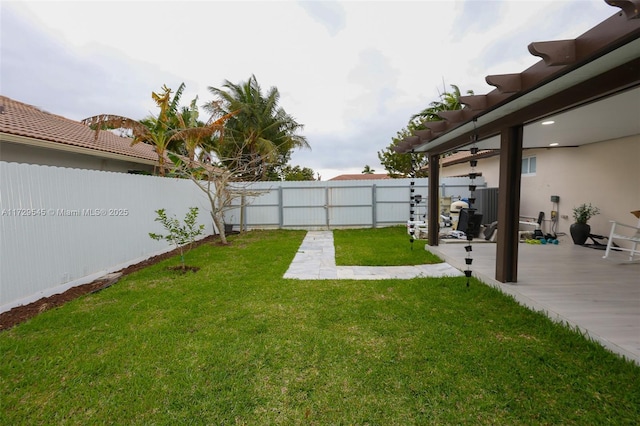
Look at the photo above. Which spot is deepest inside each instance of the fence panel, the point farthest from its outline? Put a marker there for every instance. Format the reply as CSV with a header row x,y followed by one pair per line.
x,y
304,206
329,204
63,227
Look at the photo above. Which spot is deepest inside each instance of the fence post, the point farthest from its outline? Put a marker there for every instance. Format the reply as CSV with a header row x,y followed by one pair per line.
x,y
243,213
374,206
280,208
326,204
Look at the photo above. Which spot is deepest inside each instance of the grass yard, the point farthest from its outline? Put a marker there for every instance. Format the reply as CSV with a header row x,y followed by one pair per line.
x,y
237,344
388,246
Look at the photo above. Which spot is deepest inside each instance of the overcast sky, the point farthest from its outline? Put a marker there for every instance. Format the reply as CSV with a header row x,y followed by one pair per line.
x,y
351,72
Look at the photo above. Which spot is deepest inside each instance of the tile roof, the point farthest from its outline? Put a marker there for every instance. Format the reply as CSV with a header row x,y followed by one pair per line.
x,y
361,176
20,119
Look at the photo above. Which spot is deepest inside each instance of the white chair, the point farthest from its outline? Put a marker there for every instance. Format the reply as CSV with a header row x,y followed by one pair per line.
x,y
629,235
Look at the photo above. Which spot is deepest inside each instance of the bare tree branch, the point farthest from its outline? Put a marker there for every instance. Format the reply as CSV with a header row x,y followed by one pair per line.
x,y
221,184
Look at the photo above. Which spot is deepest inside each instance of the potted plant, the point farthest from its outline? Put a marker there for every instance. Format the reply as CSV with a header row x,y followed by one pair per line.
x,y
580,230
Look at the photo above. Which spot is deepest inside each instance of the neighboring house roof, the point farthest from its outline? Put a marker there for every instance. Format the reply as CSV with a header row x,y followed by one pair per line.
x,y
27,124
361,176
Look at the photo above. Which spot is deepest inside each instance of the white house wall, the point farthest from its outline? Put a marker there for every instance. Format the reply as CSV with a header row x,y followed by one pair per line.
x,y
16,153
604,174
490,168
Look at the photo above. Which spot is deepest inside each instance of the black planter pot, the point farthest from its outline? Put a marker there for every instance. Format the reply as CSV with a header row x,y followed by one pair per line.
x,y
580,232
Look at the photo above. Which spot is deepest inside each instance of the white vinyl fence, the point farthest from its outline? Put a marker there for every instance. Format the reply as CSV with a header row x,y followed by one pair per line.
x,y
335,204
62,227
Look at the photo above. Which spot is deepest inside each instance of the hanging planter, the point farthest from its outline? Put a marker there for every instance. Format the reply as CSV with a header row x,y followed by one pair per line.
x,y
471,199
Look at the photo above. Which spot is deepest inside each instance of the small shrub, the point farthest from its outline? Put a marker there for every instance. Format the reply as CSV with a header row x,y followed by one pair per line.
x,y
179,235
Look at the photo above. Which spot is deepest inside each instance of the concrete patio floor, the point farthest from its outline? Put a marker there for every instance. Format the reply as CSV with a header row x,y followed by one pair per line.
x,y
571,284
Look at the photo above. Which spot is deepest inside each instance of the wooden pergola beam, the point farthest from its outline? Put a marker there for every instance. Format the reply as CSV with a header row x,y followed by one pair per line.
x,y
509,204
433,213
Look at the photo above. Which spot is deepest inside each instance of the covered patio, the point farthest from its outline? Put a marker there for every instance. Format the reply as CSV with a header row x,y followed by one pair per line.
x,y
571,284
576,77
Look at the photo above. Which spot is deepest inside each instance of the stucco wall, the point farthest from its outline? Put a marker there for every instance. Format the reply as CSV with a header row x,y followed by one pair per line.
x,y
604,174
489,167
16,153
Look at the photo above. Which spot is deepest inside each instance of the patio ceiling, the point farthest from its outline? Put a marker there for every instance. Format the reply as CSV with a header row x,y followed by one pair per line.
x,y
614,117
589,87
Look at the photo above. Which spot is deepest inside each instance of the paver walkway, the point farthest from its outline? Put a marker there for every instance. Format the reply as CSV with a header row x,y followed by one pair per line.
x,y
316,260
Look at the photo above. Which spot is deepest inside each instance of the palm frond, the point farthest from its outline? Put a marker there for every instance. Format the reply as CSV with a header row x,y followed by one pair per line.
x,y
173,107
193,133
194,114
221,120
110,121
163,98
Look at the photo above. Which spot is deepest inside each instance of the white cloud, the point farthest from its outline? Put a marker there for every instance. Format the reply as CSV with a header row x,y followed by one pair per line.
x,y
352,72
329,14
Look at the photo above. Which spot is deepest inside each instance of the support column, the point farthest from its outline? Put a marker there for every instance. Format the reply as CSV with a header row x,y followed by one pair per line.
x,y
433,213
509,204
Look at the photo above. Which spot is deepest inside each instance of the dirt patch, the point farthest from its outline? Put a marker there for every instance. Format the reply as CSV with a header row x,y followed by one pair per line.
x,y
183,269
22,313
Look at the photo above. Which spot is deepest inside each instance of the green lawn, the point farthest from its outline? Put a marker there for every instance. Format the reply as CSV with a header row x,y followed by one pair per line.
x,y
235,343
390,246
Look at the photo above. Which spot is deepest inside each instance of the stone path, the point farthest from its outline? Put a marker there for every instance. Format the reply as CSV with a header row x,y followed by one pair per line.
x,y
316,260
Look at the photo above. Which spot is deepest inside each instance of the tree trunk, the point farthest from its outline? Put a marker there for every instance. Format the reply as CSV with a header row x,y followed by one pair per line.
x,y
219,224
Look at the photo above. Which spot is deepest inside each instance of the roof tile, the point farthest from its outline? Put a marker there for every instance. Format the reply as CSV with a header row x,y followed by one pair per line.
x,y
20,119
361,176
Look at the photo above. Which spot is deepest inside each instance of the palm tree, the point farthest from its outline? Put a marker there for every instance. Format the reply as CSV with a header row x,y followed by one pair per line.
x,y
368,170
152,130
449,101
187,118
259,134
195,134
400,165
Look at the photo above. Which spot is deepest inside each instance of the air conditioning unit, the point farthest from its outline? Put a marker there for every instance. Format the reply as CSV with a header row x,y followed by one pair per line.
x,y
487,204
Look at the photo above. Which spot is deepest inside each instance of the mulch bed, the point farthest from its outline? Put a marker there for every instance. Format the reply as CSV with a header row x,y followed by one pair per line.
x,y
22,313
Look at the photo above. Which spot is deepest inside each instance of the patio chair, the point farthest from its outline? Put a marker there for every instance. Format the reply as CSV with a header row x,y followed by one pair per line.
x,y
624,233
